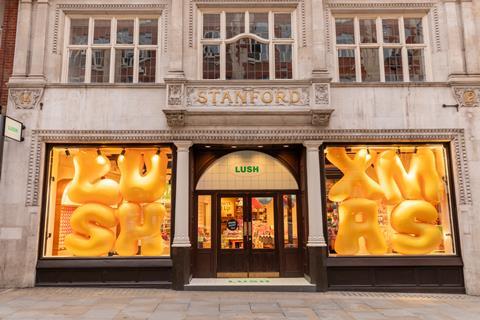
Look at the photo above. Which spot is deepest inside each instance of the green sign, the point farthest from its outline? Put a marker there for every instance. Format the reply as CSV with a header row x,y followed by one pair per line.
x,y
13,129
247,169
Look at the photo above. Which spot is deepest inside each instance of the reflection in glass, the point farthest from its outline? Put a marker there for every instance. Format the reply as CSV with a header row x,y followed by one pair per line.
x,y
290,235
101,33
125,32
231,223
413,30
100,69
283,25
393,64
148,32
211,26
346,65
211,62
78,31
263,223
390,31
259,24
146,65
76,65
60,207
235,24
283,61
416,66
124,65
344,31
368,31
370,68
247,59
204,236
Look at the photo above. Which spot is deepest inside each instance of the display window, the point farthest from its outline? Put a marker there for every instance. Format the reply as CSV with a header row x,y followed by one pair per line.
x,y
388,200
110,201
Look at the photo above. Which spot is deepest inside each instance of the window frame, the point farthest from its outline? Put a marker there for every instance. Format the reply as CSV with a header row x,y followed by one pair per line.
x,y
381,45
112,46
222,41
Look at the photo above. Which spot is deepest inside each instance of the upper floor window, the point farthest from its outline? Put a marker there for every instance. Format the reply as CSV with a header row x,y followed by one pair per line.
x,y
112,50
241,45
380,49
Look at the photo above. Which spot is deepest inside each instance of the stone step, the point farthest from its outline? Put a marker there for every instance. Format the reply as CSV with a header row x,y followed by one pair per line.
x,y
251,284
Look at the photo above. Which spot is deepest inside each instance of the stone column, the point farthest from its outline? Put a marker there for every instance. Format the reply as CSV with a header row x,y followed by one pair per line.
x,y
318,38
175,39
316,245
456,64
470,38
38,41
22,41
181,241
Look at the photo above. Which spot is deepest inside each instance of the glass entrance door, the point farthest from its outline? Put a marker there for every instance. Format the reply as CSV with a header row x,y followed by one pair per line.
x,y
247,236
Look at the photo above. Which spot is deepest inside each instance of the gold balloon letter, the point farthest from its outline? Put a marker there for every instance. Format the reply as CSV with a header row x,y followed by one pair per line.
x,y
359,218
143,188
92,236
132,229
415,221
87,184
420,182
355,183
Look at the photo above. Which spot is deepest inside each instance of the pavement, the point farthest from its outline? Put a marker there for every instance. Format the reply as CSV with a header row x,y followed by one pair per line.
x,y
109,303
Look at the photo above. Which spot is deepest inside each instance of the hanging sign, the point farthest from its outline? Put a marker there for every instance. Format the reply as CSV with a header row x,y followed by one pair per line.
x,y
13,129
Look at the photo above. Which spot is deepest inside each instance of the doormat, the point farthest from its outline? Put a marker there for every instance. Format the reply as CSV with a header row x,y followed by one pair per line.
x,y
248,281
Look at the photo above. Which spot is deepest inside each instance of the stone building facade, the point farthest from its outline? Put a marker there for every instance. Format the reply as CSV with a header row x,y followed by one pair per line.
x,y
329,140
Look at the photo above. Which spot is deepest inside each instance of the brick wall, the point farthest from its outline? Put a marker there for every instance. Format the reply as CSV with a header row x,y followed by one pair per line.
x,y
7,48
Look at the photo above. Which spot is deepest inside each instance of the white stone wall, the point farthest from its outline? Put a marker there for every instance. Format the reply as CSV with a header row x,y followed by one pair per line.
x,y
454,29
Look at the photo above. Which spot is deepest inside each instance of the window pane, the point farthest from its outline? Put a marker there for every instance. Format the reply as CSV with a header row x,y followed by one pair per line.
x,y
290,235
399,220
204,222
108,222
101,33
211,26
211,62
413,30
76,65
231,225
124,65
247,59
263,223
368,31
390,31
344,31
346,65
148,31
235,24
283,61
416,66
283,25
370,64
100,65
78,31
393,64
125,31
147,65
259,24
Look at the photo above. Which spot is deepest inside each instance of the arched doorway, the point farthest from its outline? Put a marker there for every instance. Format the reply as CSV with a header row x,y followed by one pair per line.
x,y
247,217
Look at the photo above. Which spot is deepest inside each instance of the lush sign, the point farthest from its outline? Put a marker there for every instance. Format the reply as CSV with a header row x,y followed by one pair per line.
x,y
13,129
247,169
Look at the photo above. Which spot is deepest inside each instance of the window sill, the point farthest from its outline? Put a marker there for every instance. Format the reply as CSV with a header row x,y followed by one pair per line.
x,y
107,85
387,84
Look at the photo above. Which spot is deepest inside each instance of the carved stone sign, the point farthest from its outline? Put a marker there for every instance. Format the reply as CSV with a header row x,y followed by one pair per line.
x,y
467,96
244,96
25,98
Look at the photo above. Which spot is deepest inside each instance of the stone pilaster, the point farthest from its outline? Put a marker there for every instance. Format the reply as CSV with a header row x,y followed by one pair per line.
x,y
316,245
39,41
22,42
175,39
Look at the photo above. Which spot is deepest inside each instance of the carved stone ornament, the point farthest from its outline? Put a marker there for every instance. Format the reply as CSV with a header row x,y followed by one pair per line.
x,y
321,118
467,96
322,93
24,98
175,118
175,94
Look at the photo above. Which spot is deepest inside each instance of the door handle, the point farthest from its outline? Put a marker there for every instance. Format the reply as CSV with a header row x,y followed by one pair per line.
x,y
250,230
